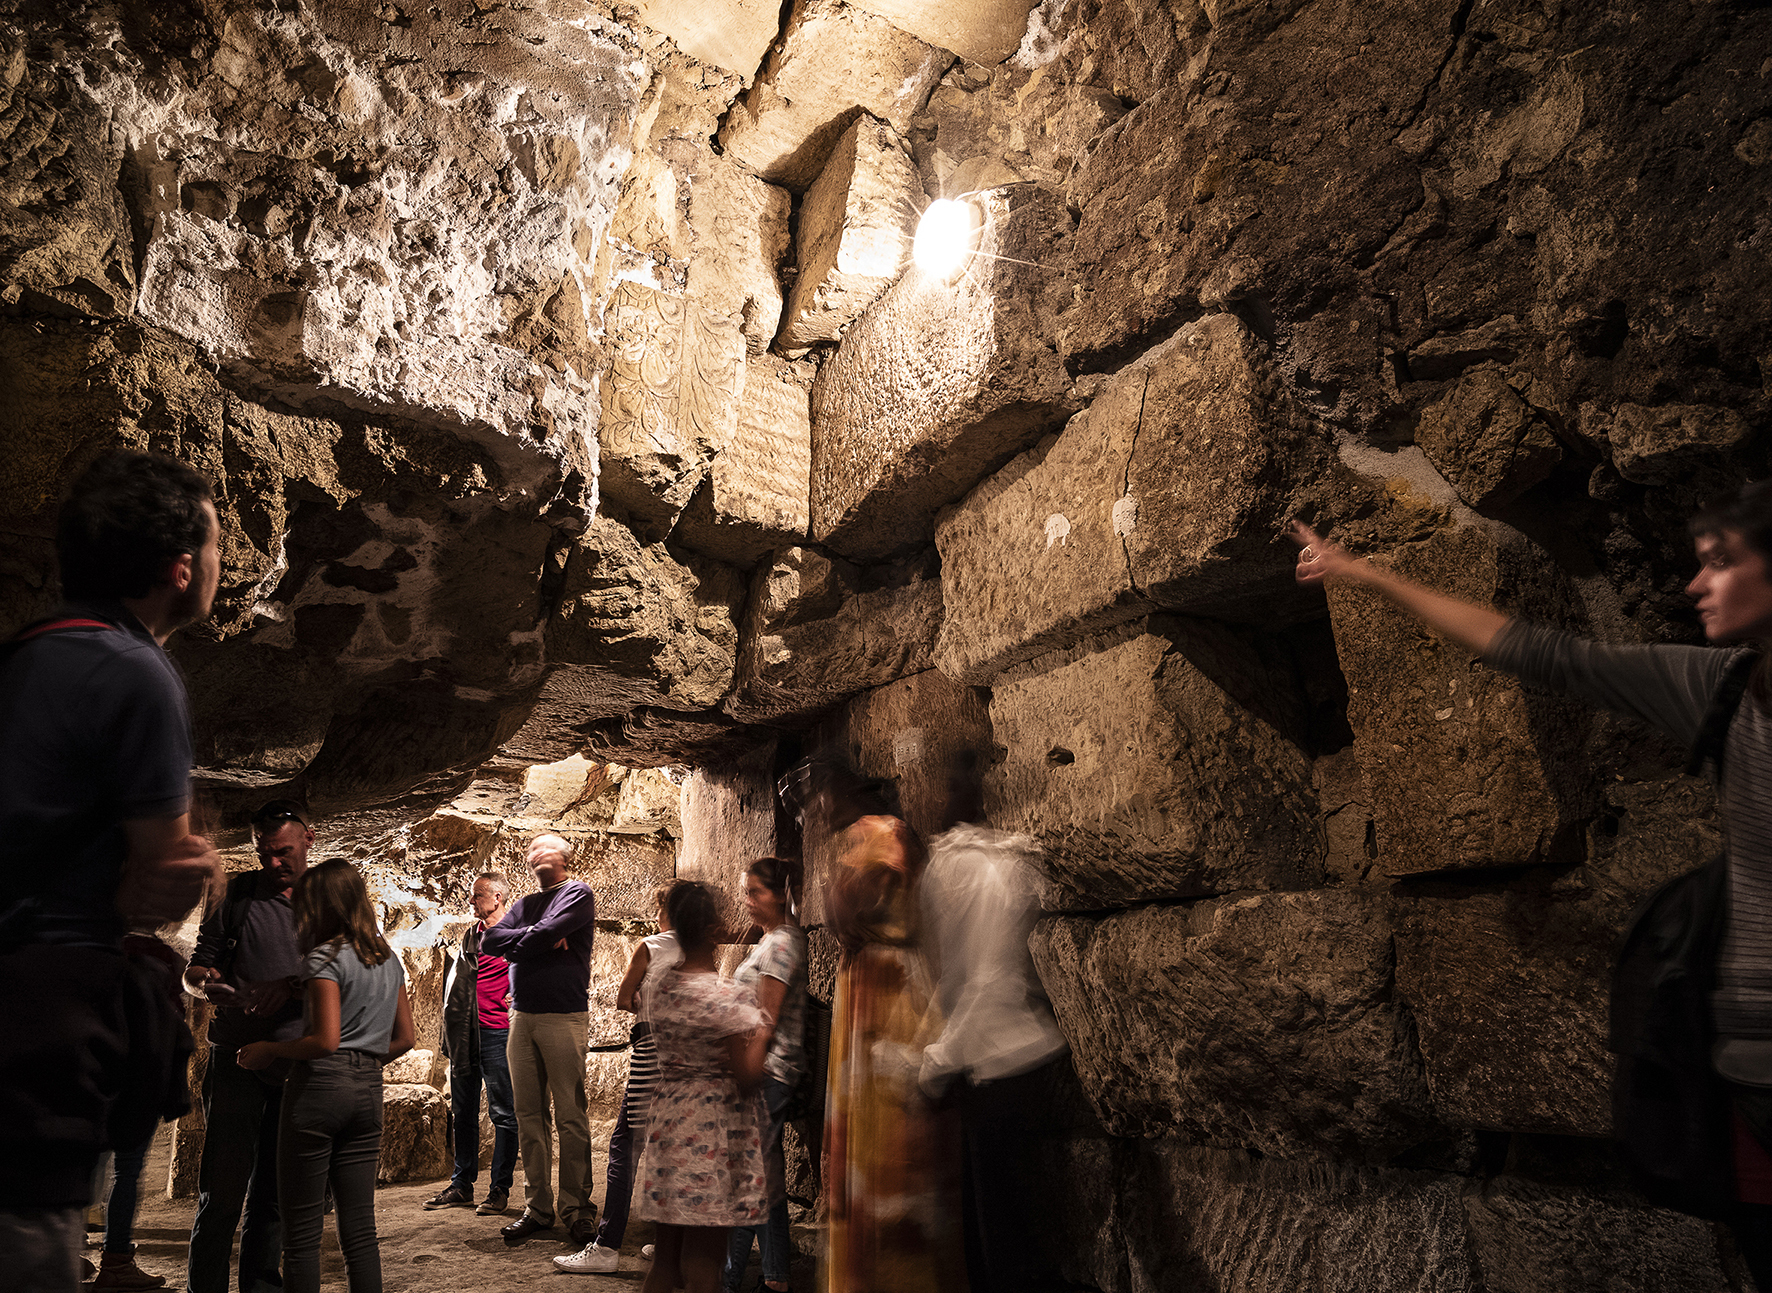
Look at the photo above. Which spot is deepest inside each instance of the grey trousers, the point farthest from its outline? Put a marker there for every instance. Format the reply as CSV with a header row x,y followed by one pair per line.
x,y
547,1056
39,1247
331,1132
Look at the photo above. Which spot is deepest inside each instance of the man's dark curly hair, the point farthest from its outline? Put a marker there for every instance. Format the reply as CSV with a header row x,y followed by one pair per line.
x,y
1746,510
124,518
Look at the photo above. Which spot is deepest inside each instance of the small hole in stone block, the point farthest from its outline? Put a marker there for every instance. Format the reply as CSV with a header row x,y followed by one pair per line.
x,y
1058,755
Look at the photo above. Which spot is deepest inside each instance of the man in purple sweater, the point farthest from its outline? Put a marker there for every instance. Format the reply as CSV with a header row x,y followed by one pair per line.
x,y
546,937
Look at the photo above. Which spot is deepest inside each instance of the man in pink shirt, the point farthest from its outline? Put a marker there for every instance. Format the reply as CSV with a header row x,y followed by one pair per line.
x,y
476,1024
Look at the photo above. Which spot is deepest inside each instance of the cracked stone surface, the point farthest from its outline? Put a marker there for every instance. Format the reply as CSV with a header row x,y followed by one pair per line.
x,y
938,384
1162,762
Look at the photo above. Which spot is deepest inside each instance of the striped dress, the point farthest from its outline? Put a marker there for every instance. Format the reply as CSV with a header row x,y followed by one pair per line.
x,y
1671,687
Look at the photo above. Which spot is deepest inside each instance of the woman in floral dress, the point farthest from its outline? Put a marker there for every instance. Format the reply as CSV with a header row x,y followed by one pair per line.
x,y
702,1170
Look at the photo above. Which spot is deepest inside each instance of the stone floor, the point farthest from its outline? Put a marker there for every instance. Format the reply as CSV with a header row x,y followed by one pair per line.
x,y
436,1252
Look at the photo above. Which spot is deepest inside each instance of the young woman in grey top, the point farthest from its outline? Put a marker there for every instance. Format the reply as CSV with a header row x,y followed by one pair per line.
x,y
1669,687
358,1018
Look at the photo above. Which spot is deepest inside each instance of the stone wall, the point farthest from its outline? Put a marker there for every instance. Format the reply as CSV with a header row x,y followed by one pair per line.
x,y
570,402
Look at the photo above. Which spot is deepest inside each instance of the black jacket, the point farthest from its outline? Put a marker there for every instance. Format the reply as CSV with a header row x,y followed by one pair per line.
x,y
461,1004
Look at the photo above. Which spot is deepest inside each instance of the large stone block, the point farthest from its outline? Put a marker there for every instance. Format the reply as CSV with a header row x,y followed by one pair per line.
x,y
1203,1218
833,63
979,31
648,802
1509,985
731,35
938,384
1241,194
1509,994
818,629
729,819
1263,1022
637,627
415,1134
1665,445
755,495
1035,124
1486,440
738,228
1171,489
1527,1237
1465,767
854,233
670,401
1165,764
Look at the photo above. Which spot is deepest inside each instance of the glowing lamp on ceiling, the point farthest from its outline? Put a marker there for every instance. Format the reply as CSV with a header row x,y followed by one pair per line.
x,y
947,236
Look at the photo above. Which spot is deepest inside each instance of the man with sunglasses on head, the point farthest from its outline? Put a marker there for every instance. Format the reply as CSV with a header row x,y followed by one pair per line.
x,y
245,965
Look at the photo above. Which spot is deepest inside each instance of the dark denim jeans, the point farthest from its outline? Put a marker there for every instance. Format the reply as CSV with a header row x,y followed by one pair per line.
x,y
238,1169
494,1073
331,1133
618,1190
772,1235
120,1204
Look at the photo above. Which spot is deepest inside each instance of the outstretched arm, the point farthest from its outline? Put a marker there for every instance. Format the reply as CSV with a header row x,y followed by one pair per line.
x,y
1465,623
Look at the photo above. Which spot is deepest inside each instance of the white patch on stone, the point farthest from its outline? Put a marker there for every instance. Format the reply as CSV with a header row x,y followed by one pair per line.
x,y
907,746
1040,46
1057,527
1125,515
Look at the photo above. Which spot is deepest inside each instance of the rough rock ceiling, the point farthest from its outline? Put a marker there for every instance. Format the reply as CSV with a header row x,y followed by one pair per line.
x,y
471,311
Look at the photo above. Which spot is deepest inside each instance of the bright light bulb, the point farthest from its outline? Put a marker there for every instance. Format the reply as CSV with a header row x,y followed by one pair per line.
x,y
945,237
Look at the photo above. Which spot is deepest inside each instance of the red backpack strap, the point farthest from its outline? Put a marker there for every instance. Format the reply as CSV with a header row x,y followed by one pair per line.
x,y
56,626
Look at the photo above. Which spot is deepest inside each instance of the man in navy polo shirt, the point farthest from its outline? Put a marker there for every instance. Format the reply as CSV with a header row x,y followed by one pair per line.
x,y
546,937
245,965
95,837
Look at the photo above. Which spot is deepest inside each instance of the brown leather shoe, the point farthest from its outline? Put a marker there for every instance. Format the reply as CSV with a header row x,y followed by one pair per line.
x,y
584,1231
523,1227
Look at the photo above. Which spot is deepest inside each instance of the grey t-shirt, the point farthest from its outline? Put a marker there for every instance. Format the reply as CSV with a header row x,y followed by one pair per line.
x,y
1671,687
367,995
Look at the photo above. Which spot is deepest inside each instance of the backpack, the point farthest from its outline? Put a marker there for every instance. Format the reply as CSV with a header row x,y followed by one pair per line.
x,y
233,919
1671,1112
807,1101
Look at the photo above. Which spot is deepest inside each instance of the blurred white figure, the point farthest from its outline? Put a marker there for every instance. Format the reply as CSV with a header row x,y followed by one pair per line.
x,y
1000,1055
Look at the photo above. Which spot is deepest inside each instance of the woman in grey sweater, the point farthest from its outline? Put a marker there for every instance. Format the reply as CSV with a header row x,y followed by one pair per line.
x,y
1669,687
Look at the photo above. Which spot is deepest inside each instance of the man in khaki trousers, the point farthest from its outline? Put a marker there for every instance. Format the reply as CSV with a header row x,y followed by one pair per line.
x,y
546,937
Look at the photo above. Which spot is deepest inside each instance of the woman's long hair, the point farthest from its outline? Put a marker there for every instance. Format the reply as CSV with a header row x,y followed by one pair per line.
x,y
783,877
331,905
694,915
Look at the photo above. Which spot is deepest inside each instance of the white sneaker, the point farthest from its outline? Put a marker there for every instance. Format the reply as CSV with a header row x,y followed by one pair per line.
x,y
648,1251
594,1260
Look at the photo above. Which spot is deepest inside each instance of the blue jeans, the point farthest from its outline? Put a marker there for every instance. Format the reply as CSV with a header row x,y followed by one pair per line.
x,y
494,1073
331,1134
238,1169
126,1175
772,1235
